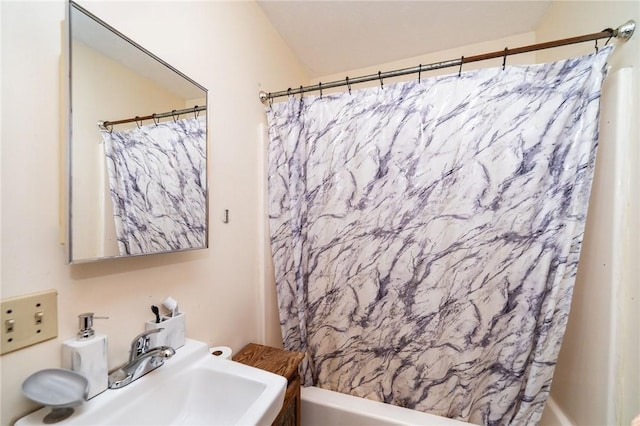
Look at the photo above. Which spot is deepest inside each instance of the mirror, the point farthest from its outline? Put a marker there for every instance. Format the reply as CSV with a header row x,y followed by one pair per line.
x,y
148,159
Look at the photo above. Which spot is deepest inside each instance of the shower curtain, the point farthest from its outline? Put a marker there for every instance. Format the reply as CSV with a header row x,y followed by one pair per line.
x,y
157,179
426,234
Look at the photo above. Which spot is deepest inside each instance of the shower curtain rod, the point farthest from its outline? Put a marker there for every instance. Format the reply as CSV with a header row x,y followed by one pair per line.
x,y
623,32
176,112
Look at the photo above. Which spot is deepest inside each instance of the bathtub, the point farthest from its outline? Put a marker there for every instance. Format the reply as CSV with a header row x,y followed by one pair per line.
x,y
321,407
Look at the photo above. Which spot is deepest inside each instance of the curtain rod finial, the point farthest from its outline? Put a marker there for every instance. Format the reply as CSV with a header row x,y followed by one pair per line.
x,y
625,31
264,97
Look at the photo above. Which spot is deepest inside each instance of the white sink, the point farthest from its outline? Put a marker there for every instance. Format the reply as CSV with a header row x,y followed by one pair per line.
x,y
191,388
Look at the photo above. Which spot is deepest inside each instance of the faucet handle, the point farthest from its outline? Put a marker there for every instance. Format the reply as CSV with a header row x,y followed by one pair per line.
x,y
140,344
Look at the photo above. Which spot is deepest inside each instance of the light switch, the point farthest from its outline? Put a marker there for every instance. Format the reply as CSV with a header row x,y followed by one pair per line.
x,y
28,320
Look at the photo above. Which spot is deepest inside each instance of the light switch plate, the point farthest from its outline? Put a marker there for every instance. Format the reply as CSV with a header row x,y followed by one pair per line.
x,y
28,319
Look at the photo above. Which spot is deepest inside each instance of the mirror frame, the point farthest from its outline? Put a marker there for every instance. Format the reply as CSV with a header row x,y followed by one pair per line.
x,y
66,211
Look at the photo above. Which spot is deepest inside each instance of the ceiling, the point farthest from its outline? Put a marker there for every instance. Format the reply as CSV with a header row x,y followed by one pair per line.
x,y
335,36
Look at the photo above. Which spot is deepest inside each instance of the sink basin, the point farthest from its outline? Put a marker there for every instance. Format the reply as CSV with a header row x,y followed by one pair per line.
x,y
191,388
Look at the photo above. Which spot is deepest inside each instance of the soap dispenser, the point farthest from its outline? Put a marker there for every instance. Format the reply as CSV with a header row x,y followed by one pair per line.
x,y
87,354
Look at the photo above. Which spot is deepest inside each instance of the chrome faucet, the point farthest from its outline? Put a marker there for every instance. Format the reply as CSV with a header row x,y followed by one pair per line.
x,y
142,359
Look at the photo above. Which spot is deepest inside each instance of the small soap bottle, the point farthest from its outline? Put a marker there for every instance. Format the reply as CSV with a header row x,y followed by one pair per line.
x,y
87,354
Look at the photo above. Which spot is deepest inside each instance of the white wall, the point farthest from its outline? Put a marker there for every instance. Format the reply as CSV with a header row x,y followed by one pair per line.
x,y
597,378
468,50
231,49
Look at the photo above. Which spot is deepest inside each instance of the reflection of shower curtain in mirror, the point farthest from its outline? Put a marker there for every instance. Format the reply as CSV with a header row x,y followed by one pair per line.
x,y
157,176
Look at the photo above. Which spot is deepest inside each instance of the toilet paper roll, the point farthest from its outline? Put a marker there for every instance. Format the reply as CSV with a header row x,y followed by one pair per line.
x,y
221,351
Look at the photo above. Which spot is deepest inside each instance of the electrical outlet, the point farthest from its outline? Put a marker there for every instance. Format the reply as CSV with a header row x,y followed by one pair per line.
x,y
28,319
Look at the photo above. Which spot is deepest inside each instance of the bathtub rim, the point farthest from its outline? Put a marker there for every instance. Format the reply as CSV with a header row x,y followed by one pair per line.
x,y
374,410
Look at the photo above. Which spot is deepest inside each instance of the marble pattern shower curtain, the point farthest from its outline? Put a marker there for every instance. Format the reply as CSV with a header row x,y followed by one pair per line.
x,y
426,235
158,180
